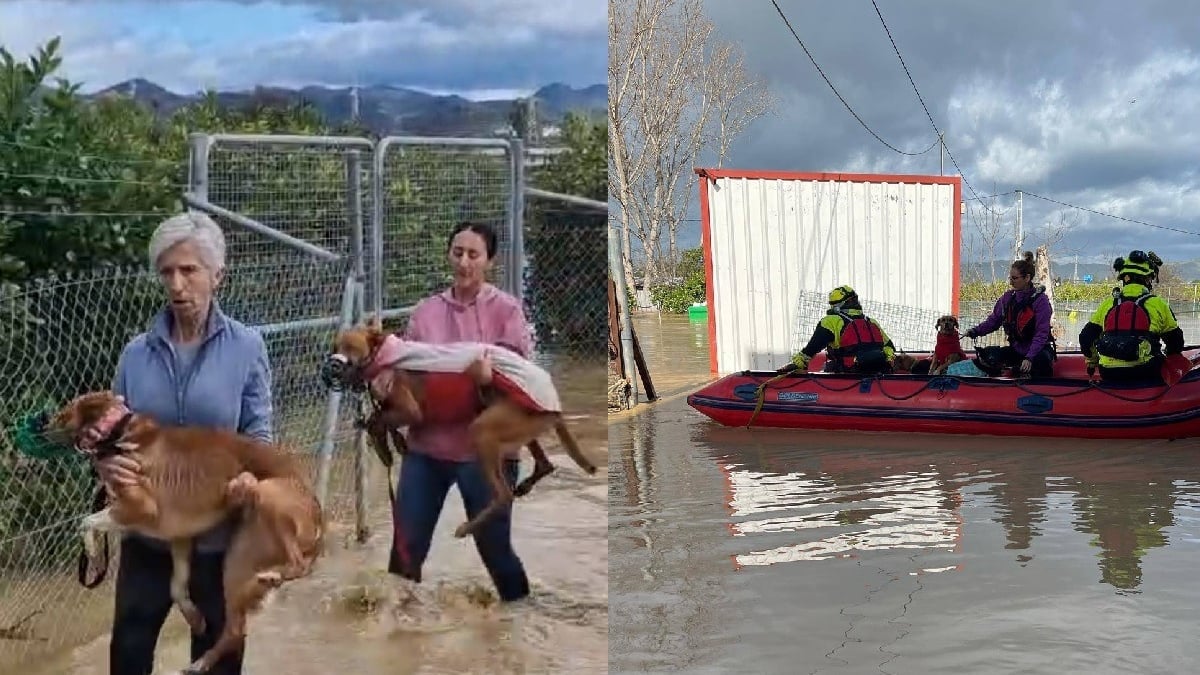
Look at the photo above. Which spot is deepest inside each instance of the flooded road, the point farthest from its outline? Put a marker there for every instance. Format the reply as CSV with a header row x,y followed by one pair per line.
x,y
805,552
352,617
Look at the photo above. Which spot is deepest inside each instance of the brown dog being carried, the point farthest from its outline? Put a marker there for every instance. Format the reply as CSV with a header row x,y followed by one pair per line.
x,y
187,481
506,400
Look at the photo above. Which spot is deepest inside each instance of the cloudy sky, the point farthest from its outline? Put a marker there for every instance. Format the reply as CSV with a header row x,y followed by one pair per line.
x,y
1095,104
477,48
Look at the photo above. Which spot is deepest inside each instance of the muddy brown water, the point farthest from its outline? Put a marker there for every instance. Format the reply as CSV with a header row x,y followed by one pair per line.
x,y
350,616
806,552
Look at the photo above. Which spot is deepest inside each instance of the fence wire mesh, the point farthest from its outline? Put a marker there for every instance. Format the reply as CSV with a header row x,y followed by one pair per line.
x,y
565,277
913,329
427,189
318,192
63,336
60,337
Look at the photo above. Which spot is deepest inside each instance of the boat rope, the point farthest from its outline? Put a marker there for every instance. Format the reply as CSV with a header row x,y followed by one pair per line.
x,y
760,396
1020,383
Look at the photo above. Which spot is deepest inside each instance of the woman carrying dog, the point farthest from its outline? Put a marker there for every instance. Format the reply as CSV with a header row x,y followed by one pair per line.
x,y
440,455
1024,314
194,366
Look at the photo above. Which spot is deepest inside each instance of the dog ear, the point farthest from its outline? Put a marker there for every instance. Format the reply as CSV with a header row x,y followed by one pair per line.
x,y
375,323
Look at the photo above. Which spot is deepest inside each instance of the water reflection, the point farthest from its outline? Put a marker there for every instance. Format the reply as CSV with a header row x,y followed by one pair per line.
x,y
901,511
839,498
793,551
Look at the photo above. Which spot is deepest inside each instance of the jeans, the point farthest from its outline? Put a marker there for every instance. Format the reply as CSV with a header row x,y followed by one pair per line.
x,y
421,492
143,600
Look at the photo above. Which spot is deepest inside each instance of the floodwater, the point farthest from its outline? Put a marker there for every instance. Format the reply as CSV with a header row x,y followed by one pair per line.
x,y
352,617
798,552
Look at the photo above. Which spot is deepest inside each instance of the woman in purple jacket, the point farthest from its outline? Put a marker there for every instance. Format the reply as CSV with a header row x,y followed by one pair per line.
x,y
1024,314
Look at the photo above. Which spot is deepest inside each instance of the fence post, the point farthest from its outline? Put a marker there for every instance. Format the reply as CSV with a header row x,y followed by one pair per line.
x,y
377,204
198,145
516,221
617,270
354,211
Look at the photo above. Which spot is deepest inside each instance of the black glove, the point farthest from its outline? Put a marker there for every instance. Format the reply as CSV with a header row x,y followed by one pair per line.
x,y
786,369
971,333
1091,370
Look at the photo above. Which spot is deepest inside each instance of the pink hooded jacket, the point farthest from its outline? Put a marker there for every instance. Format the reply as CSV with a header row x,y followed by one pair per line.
x,y
493,316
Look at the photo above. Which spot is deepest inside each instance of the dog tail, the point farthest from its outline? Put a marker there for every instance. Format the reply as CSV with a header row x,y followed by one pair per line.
x,y
572,446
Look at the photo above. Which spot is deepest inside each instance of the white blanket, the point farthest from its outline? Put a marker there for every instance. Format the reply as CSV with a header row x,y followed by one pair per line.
x,y
510,372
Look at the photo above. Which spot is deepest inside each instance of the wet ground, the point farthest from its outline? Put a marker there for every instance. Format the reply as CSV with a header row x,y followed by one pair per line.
x,y
352,617
805,552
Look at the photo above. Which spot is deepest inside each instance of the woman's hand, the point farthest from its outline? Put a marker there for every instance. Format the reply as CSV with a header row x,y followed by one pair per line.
x,y
119,470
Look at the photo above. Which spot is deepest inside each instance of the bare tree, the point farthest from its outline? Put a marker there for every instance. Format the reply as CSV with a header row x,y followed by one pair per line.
x,y
990,226
675,90
1051,233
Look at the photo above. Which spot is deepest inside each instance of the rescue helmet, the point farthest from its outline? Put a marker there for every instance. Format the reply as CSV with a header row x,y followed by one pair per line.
x,y
841,294
1137,263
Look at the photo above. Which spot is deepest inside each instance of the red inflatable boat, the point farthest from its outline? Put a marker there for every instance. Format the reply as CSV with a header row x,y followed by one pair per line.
x,y
1066,405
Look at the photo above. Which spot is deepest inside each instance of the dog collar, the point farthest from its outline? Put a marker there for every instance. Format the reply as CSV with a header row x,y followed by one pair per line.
x,y
111,423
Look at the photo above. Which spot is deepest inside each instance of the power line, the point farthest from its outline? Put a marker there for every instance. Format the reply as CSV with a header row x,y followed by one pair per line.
x,y
101,158
922,100
81,179
843,100
1111,215
998,194
84,214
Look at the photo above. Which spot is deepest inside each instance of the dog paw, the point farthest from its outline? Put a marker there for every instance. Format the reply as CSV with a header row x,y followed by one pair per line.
x,y
462,531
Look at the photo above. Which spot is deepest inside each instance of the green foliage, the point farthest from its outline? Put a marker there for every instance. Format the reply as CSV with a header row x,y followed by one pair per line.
x,y
84,182
82,185
677,295
566,246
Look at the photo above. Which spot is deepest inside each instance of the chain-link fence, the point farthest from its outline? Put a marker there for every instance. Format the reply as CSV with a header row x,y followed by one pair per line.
x,y
319,231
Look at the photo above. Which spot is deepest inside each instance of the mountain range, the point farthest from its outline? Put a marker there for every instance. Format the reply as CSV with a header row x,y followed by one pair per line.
x,y
387,110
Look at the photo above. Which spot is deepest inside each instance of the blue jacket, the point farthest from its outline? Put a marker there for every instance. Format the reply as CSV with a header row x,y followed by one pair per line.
x,y
228,386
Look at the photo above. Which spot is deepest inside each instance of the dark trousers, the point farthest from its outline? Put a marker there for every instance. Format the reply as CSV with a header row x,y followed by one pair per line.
x,y
1042,364
143,600
422,487
1149,373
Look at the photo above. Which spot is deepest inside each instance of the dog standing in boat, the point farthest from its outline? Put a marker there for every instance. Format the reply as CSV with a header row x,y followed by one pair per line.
x,y
188,479
503,413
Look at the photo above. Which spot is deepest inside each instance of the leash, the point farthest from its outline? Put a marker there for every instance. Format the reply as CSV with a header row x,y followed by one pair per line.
x,y
761,395
383,453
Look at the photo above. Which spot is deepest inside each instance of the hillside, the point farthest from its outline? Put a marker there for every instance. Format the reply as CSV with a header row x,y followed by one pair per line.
x,y
389,110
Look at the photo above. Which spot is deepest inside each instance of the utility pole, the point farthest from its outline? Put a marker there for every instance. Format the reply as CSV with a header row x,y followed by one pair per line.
x,y
532,130
941,152
1020,238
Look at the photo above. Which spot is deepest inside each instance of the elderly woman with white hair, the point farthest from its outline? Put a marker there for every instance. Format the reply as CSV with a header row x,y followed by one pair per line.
x,y
193,366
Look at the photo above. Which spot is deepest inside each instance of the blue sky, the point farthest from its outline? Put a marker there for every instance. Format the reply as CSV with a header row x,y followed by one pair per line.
x,y
476,48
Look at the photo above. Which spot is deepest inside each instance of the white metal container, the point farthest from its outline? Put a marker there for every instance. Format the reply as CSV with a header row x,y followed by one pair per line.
x,y
769,237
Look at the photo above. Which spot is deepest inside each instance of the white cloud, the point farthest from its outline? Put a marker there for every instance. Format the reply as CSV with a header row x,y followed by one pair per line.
x,y
476,49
